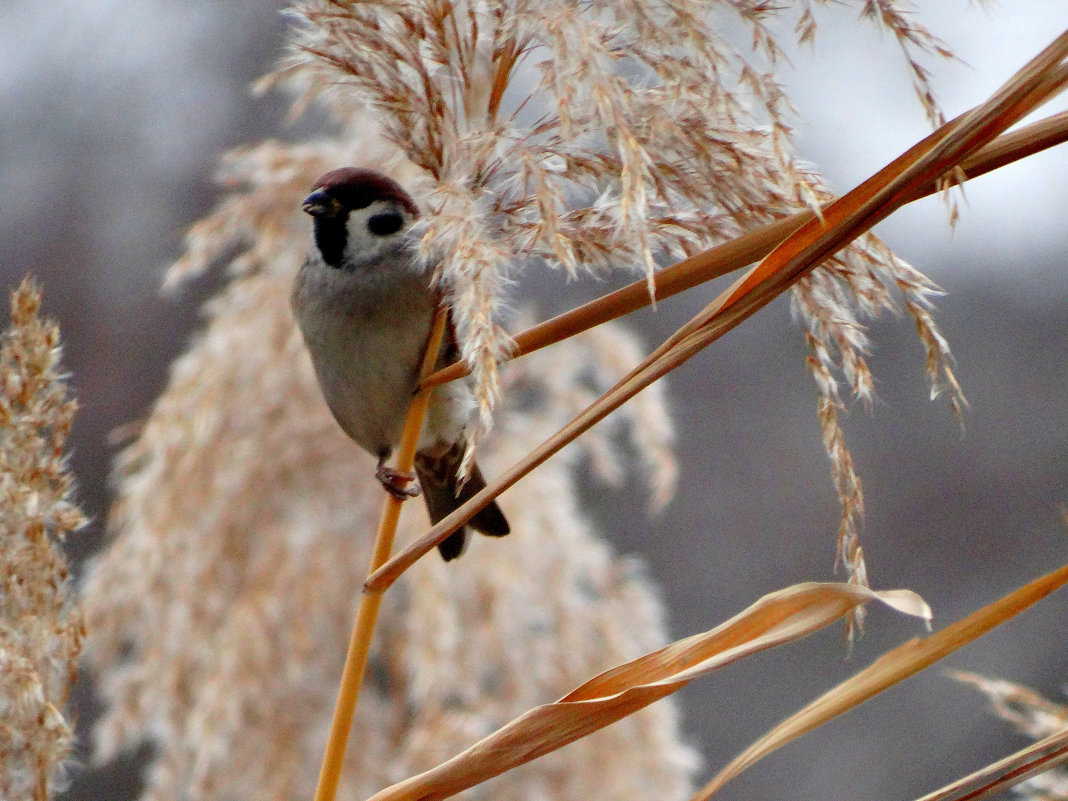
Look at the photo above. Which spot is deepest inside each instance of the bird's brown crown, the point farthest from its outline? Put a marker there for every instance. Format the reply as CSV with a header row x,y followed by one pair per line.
x,y
358,188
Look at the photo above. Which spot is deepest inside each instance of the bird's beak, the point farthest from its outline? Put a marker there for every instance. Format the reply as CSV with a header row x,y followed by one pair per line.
x,y
318,202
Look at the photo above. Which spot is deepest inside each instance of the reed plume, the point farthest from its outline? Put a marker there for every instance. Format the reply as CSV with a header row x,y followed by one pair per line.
x,y
40,624
242,526
608,137
580,137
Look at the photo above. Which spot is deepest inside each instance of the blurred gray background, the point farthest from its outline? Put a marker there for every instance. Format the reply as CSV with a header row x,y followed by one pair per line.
x,y
113,114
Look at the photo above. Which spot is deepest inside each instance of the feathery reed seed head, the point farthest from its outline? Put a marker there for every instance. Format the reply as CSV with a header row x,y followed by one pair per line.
x,y
584,137
40,627
244,519
602,137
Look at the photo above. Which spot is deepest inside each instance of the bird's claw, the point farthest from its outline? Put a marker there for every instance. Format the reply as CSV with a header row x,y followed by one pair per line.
x,y
399,485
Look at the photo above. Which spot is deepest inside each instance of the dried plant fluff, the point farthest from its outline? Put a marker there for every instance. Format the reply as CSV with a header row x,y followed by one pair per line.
x,y
1033,716
603,136
40,626
243,526
583,137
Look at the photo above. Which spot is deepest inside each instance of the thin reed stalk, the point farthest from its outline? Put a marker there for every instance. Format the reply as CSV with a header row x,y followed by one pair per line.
x,y
844,220
1006,773
730,256
367,616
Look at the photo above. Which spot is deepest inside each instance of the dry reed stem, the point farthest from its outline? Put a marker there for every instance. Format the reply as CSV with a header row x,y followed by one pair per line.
x,y
775,619
367,616
900,663
743,250
590,139
1036,758
1032,715
843,220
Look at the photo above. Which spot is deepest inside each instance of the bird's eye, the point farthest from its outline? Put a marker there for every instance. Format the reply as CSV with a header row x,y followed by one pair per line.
x,y
385,224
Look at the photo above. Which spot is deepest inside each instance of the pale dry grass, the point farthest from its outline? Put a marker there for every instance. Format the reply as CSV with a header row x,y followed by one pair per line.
x,y
581,137
40,624
242,529
603,137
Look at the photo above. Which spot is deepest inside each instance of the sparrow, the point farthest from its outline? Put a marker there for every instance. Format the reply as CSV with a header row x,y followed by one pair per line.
x,y
364,302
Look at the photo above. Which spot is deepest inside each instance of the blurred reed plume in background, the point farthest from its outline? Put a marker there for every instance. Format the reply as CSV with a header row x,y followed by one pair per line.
x,y
40,626
582,137
243,526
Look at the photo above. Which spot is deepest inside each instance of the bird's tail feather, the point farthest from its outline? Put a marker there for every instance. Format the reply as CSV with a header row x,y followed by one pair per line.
x,y
438,477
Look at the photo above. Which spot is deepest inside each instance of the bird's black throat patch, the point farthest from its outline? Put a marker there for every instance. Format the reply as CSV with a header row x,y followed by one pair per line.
x,y
331,234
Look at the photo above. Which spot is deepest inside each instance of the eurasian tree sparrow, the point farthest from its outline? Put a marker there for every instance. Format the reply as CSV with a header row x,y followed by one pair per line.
x,y
364,304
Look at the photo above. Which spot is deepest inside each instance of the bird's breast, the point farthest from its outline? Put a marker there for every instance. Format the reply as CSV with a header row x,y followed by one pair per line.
x,y
366,335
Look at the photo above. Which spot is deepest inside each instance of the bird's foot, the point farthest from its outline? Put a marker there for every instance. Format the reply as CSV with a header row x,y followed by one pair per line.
x,y
400,485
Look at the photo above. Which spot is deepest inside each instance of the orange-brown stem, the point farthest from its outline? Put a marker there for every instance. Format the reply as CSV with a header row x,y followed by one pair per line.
x,y
367,615
844,219
505,62
746,249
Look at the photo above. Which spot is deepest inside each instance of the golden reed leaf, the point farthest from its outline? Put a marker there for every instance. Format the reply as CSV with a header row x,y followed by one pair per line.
x,y
775,619
843,220
889,669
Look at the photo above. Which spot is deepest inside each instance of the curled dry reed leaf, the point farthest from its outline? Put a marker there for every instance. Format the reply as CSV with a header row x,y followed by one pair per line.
x,y
889,669
775,619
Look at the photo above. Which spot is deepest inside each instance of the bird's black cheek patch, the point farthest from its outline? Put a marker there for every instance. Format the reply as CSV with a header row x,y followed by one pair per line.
x,y
330,237
385,224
